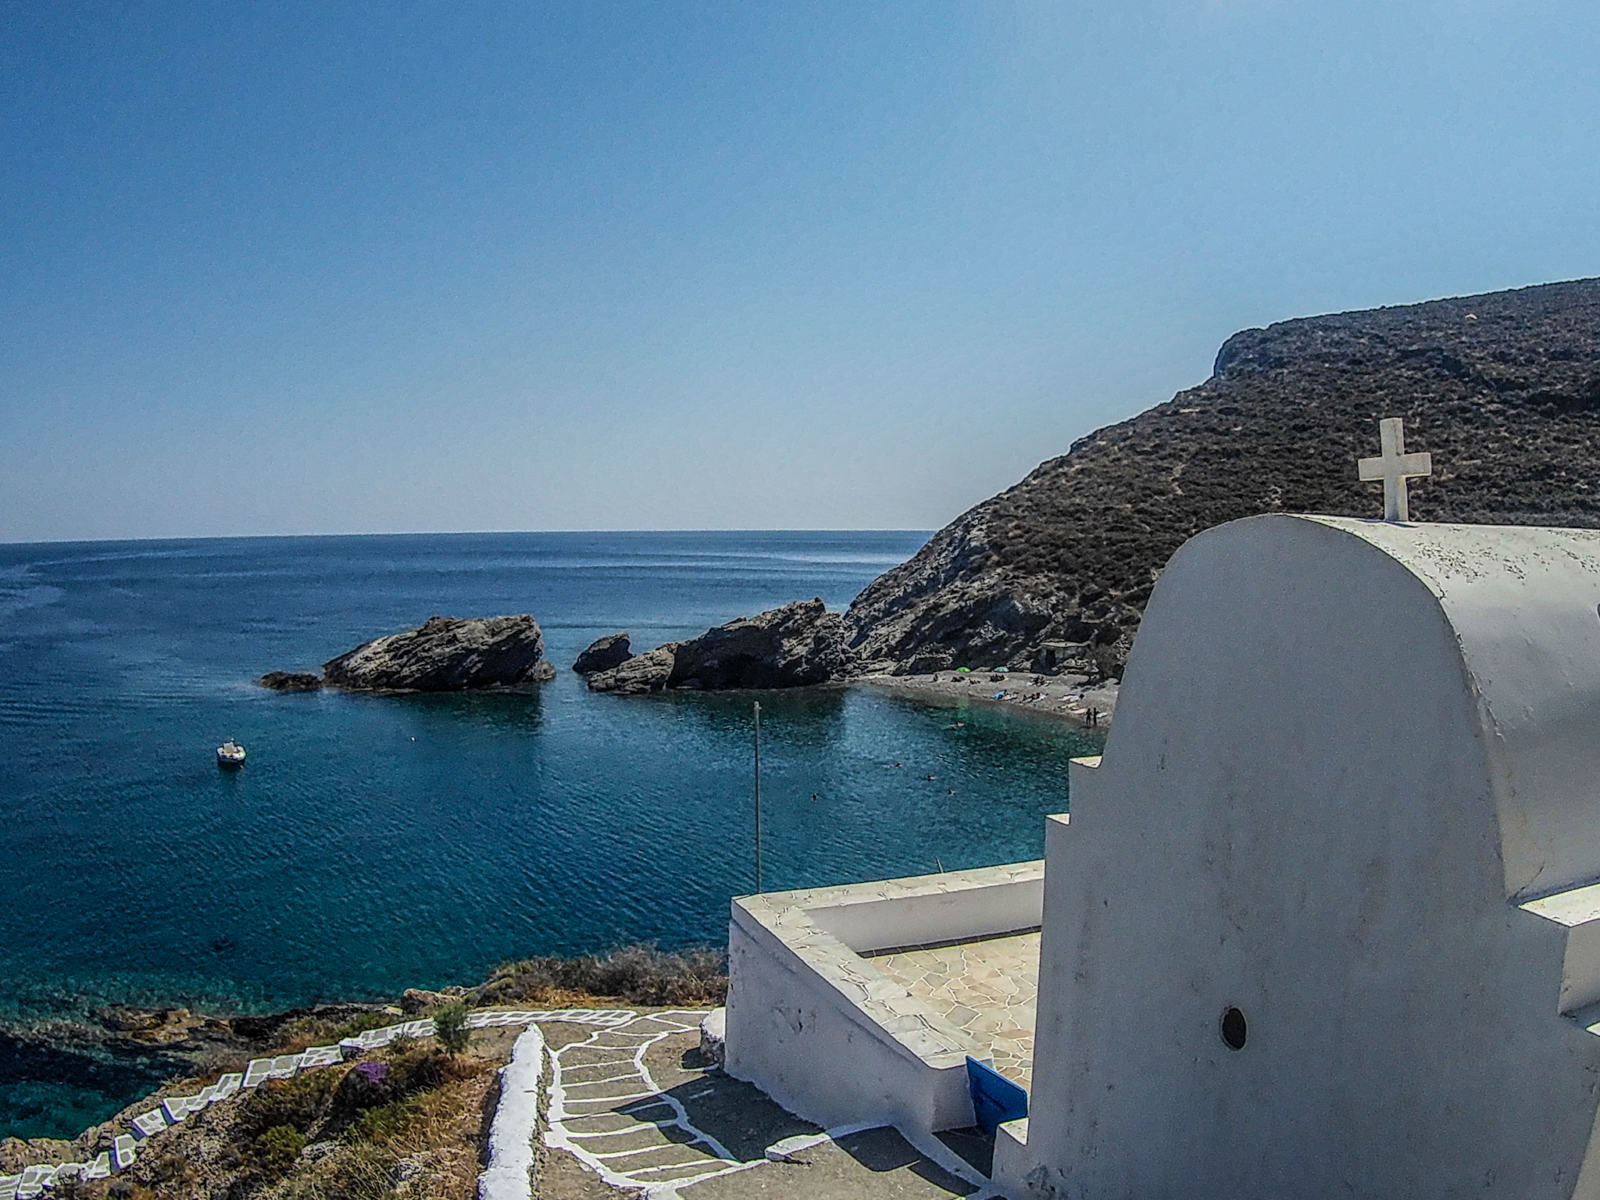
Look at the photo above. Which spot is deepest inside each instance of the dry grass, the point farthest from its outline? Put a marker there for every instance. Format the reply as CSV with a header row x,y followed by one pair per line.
x,y
410,1129
426,1148
632,975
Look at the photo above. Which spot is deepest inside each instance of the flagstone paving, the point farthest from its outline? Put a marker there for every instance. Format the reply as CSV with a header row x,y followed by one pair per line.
x,y
989,988
634,1111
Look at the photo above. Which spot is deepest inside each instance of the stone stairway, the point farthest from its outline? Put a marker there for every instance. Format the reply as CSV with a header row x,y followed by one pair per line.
x,y
607,1110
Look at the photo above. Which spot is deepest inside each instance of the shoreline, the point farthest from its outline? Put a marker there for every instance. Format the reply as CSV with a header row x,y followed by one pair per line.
x,y
1066,697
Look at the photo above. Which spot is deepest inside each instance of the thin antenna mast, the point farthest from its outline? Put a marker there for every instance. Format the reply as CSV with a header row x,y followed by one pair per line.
x,y
758,795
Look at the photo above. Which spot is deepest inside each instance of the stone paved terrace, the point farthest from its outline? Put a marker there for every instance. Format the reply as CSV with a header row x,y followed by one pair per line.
x,y
987,987
635,1109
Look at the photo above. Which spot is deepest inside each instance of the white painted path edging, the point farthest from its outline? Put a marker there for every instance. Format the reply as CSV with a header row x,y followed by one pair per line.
x,y
508,1175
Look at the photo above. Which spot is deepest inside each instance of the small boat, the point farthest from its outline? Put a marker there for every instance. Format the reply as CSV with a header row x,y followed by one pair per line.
x,y
230,754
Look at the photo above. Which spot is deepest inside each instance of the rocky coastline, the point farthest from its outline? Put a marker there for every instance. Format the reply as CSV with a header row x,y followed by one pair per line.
x,y
1066,697
1050,577
802,644
797,645
123,1049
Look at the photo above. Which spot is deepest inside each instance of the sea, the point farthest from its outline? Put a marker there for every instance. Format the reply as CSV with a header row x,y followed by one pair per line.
x,y
376,843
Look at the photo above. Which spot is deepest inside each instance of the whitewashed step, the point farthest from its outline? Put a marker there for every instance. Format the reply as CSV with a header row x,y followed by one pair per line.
x,y
1578,909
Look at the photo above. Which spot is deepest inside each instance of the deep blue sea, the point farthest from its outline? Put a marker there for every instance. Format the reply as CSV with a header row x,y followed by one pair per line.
x,y
377,843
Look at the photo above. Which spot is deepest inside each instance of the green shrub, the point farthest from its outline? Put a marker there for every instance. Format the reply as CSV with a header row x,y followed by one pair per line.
x,y
383,1082
275,1151
450,1027
378,1124
297,1103
416,1069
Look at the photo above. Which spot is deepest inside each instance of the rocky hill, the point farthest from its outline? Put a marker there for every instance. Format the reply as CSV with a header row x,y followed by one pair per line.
x,y
1502,389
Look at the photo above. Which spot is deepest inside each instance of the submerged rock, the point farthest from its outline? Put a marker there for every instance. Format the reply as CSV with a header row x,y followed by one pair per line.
x,y
447,654
603,654
291,681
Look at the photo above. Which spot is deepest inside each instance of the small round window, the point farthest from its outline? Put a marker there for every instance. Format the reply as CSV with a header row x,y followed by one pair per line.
x,y
1233,1029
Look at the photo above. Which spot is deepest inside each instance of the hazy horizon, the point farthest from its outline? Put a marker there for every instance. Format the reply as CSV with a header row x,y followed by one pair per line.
x,y
404,533
307,270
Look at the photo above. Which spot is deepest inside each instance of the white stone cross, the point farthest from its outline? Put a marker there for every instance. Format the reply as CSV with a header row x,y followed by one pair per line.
x,y
1394,466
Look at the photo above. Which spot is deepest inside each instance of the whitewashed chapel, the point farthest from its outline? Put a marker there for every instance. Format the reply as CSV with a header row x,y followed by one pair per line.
x,y
1325,920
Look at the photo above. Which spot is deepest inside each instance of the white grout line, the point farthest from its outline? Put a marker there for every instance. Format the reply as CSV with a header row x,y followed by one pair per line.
x,y
559,1135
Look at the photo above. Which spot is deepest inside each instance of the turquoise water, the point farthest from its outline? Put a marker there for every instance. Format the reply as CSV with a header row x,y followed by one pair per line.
x,y
379,843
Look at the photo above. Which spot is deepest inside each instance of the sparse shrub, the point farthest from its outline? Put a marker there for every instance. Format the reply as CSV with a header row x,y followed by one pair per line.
x,y
275,1151
635,974
298,1103
450,1027
359,1171
171,1168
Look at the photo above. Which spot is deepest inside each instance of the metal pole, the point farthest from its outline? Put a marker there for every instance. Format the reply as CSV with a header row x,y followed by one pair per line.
x,y
758,796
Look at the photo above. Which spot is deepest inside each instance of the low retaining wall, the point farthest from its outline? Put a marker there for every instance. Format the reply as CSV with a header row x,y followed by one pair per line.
x,y
508,1176
820,1030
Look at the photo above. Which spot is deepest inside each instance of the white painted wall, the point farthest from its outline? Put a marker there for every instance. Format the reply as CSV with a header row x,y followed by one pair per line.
x,y
919,918
832,1039
814,1050
1342,749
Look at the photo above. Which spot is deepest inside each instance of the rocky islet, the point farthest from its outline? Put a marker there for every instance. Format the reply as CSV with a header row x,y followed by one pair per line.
x,y
444,654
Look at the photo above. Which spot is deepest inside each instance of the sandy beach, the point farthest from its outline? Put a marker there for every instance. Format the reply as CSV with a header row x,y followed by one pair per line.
x,y
1068,697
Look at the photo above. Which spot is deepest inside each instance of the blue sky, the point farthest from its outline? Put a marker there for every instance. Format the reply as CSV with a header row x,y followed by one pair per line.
x,y
330,267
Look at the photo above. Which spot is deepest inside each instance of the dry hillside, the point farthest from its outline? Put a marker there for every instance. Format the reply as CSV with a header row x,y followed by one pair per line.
x,y
1503,389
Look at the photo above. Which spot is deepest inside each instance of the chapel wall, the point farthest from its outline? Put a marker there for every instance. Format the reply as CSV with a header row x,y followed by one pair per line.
x,y
1298,815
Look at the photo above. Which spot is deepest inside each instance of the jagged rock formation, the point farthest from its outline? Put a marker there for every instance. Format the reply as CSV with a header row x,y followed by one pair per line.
x,y
792,646
1503,389
445,654
603,654
801,643
638,674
